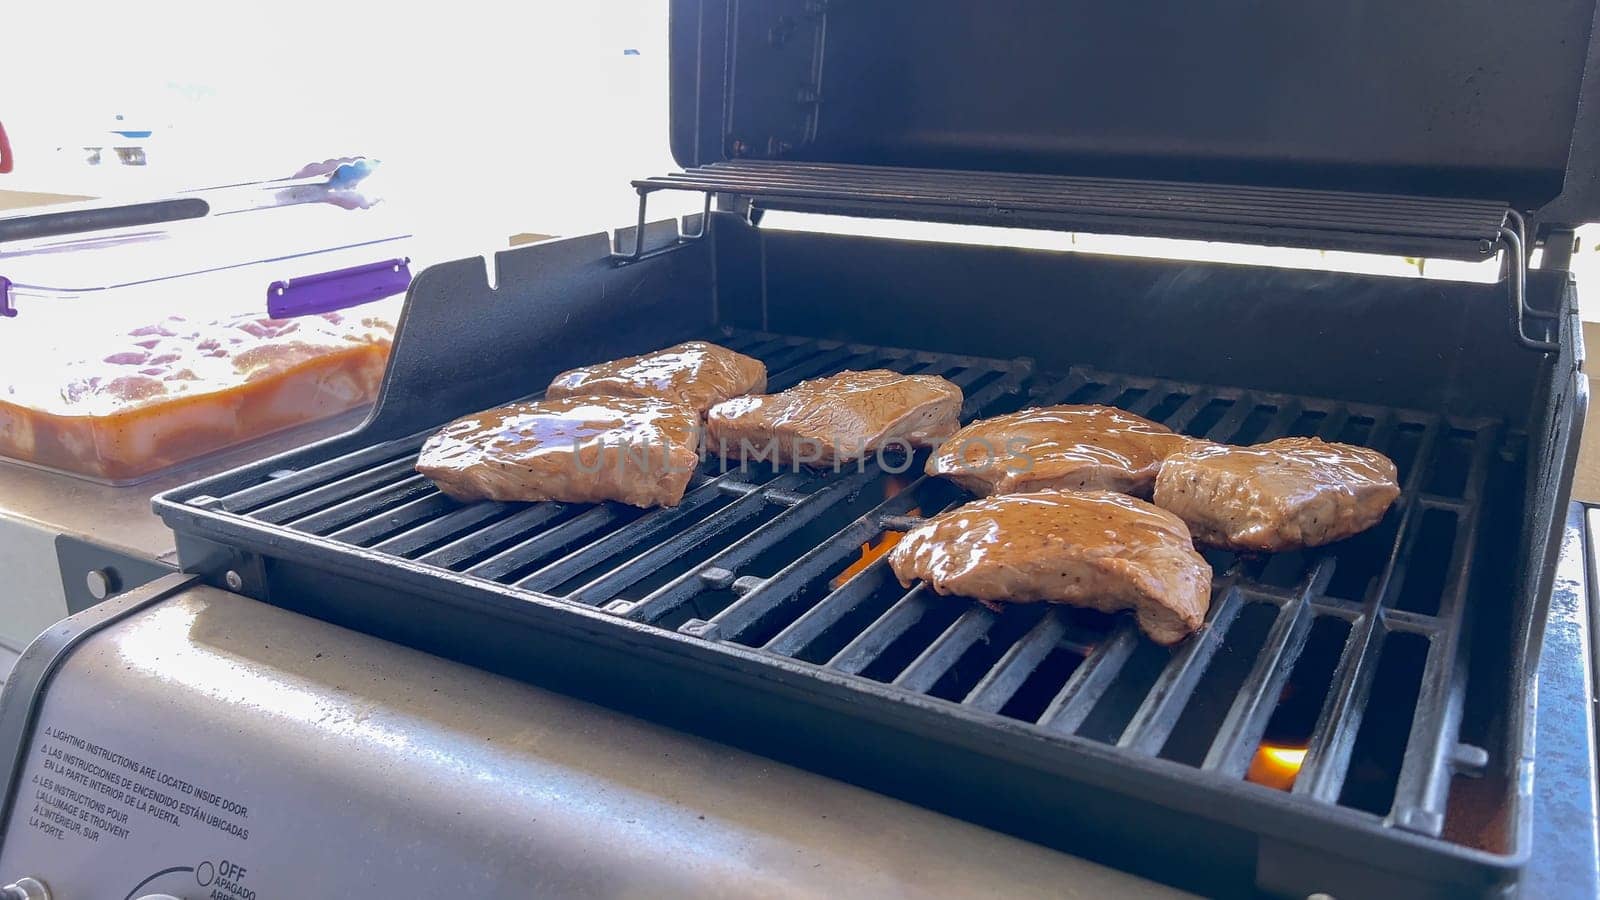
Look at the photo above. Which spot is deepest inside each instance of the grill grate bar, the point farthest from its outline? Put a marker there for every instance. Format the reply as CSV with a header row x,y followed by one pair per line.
x,y
1412,623
422,509
742,341
829,556
1006,677
1088,683
435,530
365,506
818,619
275,489
691,583
1279,424
811,365
546,542
604,587
1180,418
793,354
1146,403
925,671
643,529
876,638
1425,771
469,545
1323,771
1010,383
1241,730
1060,389
333,492
1334,423
1155,718
1229,424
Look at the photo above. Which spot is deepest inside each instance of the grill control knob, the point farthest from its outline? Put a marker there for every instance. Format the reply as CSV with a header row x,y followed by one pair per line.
x,y
28,888
156,897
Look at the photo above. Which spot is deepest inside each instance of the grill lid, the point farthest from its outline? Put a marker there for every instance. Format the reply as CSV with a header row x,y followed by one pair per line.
x,y
1458,100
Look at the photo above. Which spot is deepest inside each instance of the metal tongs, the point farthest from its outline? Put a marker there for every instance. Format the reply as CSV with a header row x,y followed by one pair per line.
x,y
335,181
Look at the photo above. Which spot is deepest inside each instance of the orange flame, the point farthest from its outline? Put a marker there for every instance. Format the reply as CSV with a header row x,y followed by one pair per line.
x,y
872,550
1275,766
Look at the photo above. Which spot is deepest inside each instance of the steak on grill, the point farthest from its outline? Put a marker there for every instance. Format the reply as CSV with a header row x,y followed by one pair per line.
x,y
841,418
1292,492
1096,549
635,450
1069,446
696,374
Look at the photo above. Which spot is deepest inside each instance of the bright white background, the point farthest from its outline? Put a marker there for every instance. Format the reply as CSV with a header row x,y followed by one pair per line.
x,y
499,117
490,118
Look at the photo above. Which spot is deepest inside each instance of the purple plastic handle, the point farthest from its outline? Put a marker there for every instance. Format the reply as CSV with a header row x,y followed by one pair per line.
x,y
6,309
328,291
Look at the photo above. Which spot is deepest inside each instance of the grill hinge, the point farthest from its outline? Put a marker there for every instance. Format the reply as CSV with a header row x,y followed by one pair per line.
x,y
1514,238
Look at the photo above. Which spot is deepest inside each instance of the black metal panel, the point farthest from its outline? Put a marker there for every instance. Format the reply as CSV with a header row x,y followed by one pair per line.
x,y
1416,343
1579,201
1428,97
115,570
570,286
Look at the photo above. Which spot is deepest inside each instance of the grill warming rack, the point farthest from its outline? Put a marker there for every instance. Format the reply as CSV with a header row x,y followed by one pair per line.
x,y
739,561
1404,225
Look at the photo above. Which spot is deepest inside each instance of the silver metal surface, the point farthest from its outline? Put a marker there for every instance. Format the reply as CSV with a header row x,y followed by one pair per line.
x,y
297,754
37,506
120,517
99,583
25,889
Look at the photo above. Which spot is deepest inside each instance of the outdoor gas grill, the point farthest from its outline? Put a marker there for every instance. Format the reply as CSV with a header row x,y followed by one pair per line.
x,y
1354,720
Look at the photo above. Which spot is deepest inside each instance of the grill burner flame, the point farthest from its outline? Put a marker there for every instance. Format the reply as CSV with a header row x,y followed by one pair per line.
x,y
1276,766
872,550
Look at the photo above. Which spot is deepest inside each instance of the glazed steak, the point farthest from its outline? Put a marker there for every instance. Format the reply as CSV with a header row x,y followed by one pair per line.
x,y
635,450
1293,492
696,374
841,418
1095,448
1096,549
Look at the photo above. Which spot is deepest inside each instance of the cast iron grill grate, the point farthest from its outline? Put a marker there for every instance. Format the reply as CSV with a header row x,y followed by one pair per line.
x,y
774,561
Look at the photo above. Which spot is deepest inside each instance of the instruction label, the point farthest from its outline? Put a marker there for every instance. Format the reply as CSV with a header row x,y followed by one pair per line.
x,y
92,792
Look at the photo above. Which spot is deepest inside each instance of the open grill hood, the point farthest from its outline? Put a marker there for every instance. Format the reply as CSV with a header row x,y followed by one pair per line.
x,y
1247,103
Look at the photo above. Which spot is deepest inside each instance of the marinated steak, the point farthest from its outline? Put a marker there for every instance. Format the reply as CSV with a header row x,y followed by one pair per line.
x,y
1095,448
841,418
1293,492
635,450
1094,549
696,374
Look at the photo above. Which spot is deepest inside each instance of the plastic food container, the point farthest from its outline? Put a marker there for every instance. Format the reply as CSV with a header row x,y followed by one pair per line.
x,y
126,353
